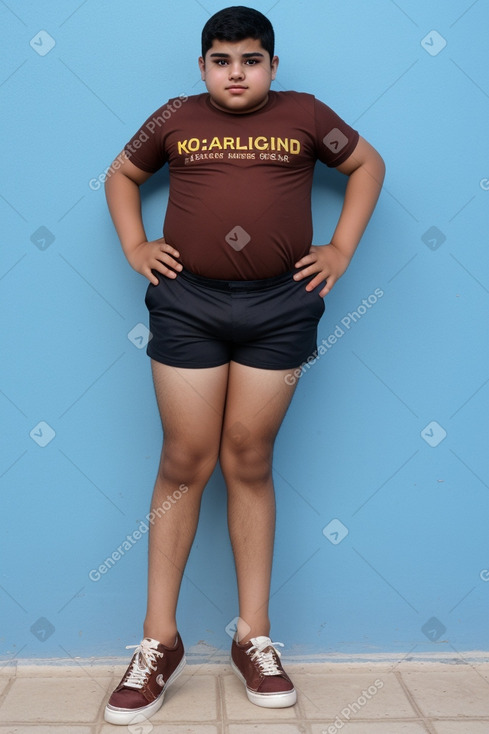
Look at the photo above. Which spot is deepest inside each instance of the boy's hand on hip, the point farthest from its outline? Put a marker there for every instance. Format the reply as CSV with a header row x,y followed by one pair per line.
x,y
326,263
156,255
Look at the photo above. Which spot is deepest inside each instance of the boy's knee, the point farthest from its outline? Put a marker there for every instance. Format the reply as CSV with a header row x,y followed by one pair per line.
x,y
186,463
250,463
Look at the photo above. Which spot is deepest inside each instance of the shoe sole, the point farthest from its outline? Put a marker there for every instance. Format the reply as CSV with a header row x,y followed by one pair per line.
x,y
267,700
120,716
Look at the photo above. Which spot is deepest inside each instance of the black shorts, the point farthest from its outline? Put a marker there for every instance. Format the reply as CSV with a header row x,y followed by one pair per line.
x,y
200,322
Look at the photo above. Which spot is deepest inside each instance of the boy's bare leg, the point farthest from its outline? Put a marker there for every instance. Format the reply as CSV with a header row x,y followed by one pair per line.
x,y
191,405
257,401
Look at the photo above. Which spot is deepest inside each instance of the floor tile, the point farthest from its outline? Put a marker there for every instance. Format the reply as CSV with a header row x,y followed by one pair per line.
x,y
54,700
50,729
162,729
377,727
450,694
358,700
238,708
7,671
461,727
267,728
84,669
192,697
352,696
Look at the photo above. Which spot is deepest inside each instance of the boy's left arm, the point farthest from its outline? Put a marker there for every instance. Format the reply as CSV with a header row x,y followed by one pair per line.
x,y
365,169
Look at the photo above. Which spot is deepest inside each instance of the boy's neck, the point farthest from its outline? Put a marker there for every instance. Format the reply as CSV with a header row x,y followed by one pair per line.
x,y
239,112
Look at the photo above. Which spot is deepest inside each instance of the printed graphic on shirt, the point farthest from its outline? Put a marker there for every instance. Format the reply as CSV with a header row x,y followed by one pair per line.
x,y
261,147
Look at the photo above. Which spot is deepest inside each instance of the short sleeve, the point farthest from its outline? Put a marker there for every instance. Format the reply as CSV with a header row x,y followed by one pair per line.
x,y
146,148
336,140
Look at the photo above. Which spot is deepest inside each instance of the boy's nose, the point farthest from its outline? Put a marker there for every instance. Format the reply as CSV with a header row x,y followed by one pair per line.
x,y
236,72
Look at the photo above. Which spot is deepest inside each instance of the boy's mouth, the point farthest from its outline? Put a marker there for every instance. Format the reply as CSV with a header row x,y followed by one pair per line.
x,y
236,88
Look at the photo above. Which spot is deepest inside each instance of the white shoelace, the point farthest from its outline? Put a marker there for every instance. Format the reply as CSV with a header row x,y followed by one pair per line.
x,y
144,662
266,660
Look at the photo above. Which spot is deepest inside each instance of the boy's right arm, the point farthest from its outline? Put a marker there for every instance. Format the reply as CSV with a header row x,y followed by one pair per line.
x,y
124,202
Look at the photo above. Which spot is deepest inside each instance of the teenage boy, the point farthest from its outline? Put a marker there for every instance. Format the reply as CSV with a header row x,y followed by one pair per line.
x,y
235,295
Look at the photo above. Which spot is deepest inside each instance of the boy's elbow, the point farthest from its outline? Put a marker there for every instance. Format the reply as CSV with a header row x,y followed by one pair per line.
x,y
380,163
109,180
115,176
372,160
375,164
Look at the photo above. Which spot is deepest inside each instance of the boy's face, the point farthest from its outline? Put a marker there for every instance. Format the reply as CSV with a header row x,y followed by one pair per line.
x,y
238,75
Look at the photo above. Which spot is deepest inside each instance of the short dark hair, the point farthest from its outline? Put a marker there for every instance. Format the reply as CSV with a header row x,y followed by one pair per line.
x,y
235,24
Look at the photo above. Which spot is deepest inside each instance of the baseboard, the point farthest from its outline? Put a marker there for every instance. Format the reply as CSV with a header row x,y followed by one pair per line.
x,y
208,660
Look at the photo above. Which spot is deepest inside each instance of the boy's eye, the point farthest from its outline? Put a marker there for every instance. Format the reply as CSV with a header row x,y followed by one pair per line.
x,y
248,62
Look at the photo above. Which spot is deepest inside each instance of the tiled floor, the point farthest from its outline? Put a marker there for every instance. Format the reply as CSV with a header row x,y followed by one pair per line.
x,y
362,699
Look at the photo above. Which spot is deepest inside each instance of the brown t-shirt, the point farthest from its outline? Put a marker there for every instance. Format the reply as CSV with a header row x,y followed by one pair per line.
x,y
239,205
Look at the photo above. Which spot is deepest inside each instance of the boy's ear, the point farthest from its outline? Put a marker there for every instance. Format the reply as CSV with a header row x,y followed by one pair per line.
x,y
202,68
275,61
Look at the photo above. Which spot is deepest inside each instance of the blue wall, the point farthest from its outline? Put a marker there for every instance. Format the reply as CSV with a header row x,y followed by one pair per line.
x,y
381,464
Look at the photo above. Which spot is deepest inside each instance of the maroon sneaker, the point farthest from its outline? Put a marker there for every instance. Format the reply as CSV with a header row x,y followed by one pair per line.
x,y
257,664
141,691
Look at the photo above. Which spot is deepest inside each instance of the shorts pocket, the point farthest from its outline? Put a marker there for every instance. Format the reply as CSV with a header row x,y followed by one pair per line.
x,y
322,305
153,291
315,301
149,292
